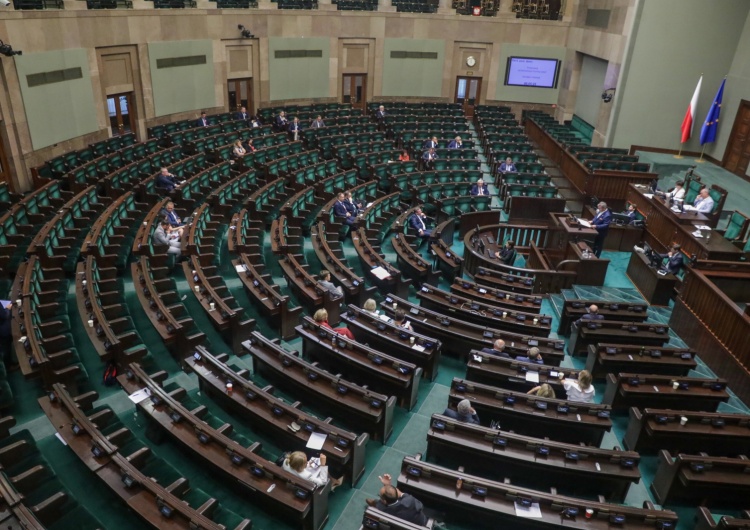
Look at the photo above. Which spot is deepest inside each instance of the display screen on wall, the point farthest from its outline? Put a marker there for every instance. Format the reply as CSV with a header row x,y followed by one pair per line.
x,y
532,72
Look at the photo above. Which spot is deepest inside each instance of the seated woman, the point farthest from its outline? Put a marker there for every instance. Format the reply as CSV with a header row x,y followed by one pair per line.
x,y
321,317
507,254
543,391
315,470
399,319
371,307
404,156
250,147
238,150
580,390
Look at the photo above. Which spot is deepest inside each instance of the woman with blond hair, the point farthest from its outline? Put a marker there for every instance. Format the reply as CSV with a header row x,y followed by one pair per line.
x,y
238,150
315,469
543,391
321,317
370,306
580,389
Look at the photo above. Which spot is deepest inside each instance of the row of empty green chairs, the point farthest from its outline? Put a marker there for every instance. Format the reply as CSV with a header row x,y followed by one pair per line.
x,y
418,109
330,186
536,179
308,176
303,208
160,131
265,202
267,114
363,162
456,206
235,4
192,135
345,153
112,234
406,180
328,144
310,135
60,165
529,190
464,153
606,157
595,165
268,154
584,148
419,121
290,164
227,198
41,496
435,191
500,156
7,197
499,126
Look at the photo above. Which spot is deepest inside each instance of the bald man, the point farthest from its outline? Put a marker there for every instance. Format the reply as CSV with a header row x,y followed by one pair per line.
x,y
592,314
497,349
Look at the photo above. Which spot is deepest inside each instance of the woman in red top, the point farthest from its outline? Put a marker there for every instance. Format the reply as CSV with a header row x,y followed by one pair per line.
x,y
404,156
321,317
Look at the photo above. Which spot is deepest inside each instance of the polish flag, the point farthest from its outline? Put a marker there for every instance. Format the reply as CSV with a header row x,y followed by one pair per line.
x,y
689,119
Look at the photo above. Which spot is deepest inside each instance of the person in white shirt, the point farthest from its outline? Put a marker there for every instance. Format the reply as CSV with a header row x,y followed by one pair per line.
x,y
315,470
704,203
678,192
371,307
580,390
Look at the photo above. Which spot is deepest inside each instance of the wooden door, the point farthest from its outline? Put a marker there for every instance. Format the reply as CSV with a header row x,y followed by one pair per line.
x,y
121,113
354,91
737,154
240,94
468,90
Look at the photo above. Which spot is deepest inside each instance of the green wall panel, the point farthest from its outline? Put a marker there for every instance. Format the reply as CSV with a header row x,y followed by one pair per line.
x,y
413,77
57,111
182,88
299,77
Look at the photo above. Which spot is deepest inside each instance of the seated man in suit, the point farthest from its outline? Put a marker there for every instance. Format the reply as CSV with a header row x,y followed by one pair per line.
x,y
341,212
675,260
508,166
497,349
166,181
432,143
325,282
353,205
480,188
632,214
704,203
601,222
380,114
592,314
428,158
165,234
203,120
402,505
295,128
417,222
171,216
281,121
456,143
464,412
317,123
534,356
508,253
242,115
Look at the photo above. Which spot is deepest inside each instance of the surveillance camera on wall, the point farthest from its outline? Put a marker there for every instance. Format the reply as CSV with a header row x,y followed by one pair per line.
x,y
4,3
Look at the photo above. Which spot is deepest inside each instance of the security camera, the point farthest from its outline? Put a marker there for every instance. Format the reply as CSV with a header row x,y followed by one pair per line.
x,y
4,3
7,49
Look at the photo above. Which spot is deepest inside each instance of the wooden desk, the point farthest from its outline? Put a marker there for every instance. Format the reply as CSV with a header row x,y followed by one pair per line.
x,y
497,297
490,504
706,521
561,420
666,227
496,454
644,333
511,374
656,288
622,311
636,390
604,358
654,429
709,480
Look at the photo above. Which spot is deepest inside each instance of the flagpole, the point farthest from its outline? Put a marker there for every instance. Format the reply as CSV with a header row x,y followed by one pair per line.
x,y
700,159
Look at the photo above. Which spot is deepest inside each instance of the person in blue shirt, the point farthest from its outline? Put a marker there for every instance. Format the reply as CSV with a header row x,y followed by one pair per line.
x,y
704,203
534,356
601,222
464,412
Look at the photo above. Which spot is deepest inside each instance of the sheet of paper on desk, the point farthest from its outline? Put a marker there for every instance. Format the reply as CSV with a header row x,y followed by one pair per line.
x,y
380,273
240,268
139,395
584,223
532,377
532,512
697,233
688,208
316,441
703,227
418,347
648,195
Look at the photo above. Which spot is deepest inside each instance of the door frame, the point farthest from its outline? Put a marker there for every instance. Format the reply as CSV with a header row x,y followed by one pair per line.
x,y
744,103
132,114
362,104
251,106
468,79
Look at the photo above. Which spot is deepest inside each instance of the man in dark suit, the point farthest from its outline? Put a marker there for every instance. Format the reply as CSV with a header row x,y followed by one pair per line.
x,y
675,260
171,216
601,222
464,412
480,188
295,128
281,122
508,166
166,181
417,222
380,114
431,143
497,349
203,120
341,211
317,123
352,205
456,143
632,214
6,337
534,356
508,253
592,314
428,158
242,114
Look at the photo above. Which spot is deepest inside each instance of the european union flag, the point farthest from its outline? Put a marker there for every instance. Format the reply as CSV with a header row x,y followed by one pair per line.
x,y
708,131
